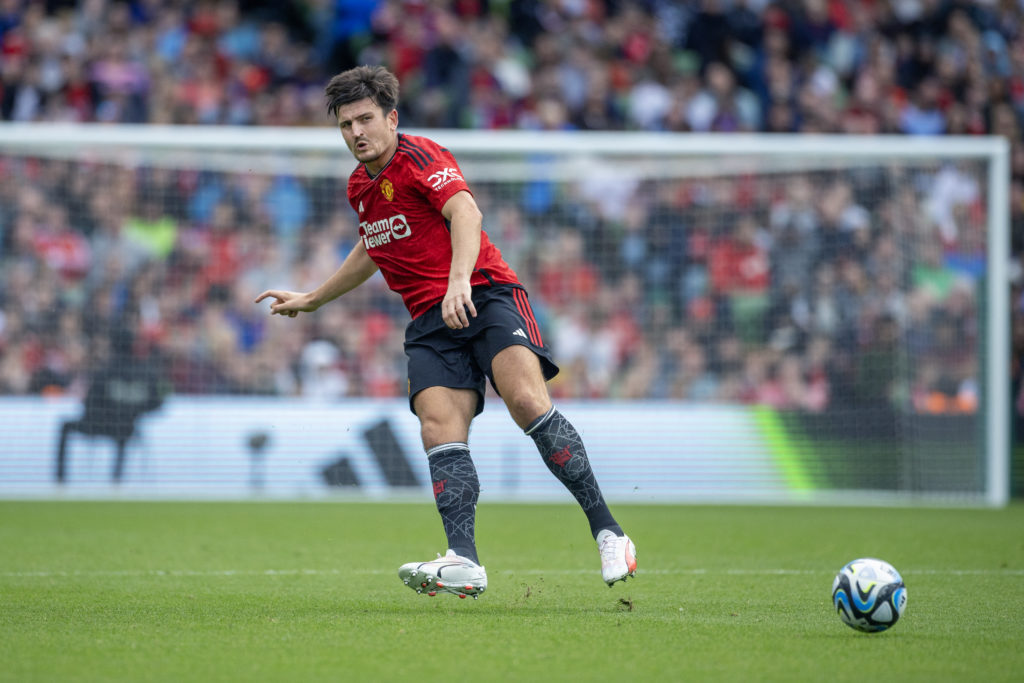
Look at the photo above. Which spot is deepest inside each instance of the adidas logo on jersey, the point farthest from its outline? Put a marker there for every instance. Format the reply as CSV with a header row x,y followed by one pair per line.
x,y
360,207
519,333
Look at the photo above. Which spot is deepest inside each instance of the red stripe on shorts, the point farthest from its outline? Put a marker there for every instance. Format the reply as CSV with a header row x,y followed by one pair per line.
x,y
523,304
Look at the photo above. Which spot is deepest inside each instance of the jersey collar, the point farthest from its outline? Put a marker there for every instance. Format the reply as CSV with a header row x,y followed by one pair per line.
x,y
372,176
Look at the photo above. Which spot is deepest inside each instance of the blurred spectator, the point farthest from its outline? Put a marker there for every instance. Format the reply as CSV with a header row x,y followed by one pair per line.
x,y
321,375
740,275
564,278
154,232
722,106
61,247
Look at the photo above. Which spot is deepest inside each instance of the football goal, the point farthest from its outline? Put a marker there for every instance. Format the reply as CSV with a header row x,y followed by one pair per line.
x,y
736,317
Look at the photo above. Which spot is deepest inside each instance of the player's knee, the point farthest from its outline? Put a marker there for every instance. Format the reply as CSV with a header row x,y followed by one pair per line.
x,y
439,429
444,415
431,429
527,406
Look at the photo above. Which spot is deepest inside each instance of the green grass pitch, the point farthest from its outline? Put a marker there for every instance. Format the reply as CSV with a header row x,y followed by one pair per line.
x,y
137,591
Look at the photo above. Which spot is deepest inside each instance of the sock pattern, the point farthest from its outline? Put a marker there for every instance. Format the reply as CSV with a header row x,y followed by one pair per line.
x,y
456,491
563,452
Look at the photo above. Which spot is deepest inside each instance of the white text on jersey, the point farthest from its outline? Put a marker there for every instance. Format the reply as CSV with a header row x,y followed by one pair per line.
x,y
383,231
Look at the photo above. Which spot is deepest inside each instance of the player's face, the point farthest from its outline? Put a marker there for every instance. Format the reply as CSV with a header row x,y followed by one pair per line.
x,y
370,134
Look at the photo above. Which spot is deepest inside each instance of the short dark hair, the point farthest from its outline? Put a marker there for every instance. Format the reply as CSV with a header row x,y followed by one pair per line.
x,y
361,82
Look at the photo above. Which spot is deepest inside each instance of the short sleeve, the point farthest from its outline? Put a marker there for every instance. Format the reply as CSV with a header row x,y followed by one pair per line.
x,y
437,174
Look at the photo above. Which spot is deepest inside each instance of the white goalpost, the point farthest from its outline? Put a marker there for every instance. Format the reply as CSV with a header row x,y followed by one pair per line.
x,y
737,317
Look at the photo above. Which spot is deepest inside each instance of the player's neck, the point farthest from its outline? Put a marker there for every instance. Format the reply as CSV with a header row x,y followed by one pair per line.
x,y
380,163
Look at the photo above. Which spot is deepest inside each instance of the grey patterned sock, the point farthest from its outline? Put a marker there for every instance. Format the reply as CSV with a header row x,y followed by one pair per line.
x,y
456,490
562,449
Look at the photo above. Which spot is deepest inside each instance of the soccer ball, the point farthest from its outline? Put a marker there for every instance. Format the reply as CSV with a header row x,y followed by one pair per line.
x,y
869,595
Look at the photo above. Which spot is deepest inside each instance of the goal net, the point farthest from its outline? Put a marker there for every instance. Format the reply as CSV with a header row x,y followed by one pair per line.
x,y
735,317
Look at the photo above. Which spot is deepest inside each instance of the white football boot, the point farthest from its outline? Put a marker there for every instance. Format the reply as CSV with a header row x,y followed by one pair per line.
x,y
449,574
618,556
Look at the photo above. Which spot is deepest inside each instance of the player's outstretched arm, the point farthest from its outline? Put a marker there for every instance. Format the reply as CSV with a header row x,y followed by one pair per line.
x,y
354,271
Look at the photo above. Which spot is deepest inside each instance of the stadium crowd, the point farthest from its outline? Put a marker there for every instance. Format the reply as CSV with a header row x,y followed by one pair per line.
x,y
798,292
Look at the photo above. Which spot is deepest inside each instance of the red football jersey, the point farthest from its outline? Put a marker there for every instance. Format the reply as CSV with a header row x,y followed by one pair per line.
x,y
402,228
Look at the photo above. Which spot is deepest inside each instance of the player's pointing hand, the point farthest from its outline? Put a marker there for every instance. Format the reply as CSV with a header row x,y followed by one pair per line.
x,y
286,303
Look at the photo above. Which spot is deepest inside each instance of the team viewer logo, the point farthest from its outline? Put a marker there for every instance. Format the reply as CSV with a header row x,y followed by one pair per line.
x,y
388,189
400,227
379,233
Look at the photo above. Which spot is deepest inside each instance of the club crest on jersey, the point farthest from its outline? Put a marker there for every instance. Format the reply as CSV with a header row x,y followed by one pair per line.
x,y
387,189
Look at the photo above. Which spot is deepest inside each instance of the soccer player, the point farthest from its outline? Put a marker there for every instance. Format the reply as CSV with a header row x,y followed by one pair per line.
x,y
471,319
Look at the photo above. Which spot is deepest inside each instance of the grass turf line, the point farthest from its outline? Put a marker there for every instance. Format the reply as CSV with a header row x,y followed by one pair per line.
x,y
117,591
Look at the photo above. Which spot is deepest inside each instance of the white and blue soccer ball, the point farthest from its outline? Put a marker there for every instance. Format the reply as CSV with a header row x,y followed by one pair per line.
x,y
869,595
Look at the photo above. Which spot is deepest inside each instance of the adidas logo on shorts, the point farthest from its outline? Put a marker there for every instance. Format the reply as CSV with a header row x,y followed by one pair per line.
x,y
519,333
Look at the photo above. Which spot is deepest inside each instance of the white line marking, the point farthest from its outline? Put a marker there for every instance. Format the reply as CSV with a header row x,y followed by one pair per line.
x,y
532,572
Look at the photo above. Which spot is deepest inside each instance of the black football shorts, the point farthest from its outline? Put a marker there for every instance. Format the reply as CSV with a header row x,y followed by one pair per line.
x,y
461,359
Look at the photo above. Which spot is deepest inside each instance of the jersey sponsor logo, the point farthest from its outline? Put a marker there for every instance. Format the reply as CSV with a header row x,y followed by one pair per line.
x,y
400,227
387,189
443,177
379,233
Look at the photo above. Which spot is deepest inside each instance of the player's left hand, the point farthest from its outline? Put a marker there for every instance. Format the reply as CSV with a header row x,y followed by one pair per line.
x,y
457,306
